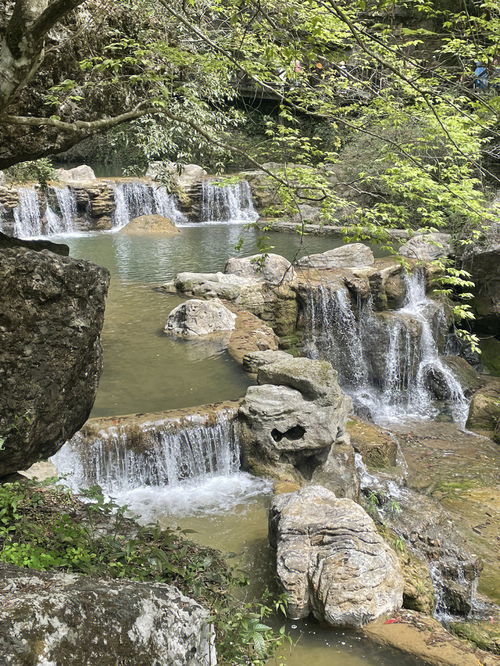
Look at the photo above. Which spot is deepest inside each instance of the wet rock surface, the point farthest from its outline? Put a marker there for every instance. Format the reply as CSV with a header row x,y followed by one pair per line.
x,y
426,639
331,561
459,470
59,618
52,311
484,411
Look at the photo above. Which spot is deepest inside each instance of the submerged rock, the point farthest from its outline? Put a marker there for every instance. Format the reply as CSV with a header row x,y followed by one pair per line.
x,y
272,268
345,256
427,640
293,424
155,224
52,311
196,317
61,618
331,561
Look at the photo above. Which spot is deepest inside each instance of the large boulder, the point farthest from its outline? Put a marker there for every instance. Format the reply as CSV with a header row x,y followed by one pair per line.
x,y
484,411
482,260
272,268
427,247
331,561
61,618
293,424
82,173
190,175
196,317
354,255
52,311
154,224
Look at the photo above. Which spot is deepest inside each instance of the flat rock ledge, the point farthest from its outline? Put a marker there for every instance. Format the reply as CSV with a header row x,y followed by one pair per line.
x,y
59,618
331,561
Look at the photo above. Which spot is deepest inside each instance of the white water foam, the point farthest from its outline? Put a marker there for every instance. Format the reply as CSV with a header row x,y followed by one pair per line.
x,y
400,390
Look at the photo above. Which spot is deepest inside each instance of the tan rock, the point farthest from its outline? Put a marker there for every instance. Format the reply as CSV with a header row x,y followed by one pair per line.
x,y
154,224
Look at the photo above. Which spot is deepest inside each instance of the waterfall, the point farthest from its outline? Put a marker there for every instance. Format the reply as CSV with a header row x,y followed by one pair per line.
x,y
186,470
66,201
227,203
385,362
133,199
28,221
27,218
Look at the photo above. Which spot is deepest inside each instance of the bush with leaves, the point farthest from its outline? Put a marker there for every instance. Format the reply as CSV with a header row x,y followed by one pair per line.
x,y
45,527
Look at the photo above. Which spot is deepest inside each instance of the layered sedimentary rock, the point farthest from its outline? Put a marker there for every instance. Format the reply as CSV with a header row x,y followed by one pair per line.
x,y
60,618
266,293
293,423
52,310
331,561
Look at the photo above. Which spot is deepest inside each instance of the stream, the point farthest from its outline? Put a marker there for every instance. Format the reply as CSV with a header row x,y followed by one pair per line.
x,y
146,371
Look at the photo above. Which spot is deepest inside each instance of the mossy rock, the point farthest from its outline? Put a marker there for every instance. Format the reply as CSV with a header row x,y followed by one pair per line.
x,y
418,591
484,412
377,446
490,356
486,635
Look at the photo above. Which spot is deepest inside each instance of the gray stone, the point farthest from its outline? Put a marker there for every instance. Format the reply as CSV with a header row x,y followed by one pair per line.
x,y
331,561
191,174
52,311
293,427
255,360
61,618
79,173
3,178
354,255
427,247
272,268
307,214
196,317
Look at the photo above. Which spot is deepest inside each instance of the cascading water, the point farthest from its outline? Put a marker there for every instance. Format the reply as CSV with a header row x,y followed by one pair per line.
x,y
227,203
27,217
133,199
387,363
66,201
186,471
29,222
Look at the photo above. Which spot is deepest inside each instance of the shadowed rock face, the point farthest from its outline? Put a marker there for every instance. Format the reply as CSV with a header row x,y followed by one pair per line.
x,y
331,561
61,618
51,315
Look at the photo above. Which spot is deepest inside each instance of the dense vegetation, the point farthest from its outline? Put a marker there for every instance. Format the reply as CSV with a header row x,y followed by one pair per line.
x,y
44,527
371,108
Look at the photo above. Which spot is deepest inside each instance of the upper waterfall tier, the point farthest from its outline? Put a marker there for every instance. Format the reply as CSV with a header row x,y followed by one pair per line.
x,y
109,205
389,362
227,203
